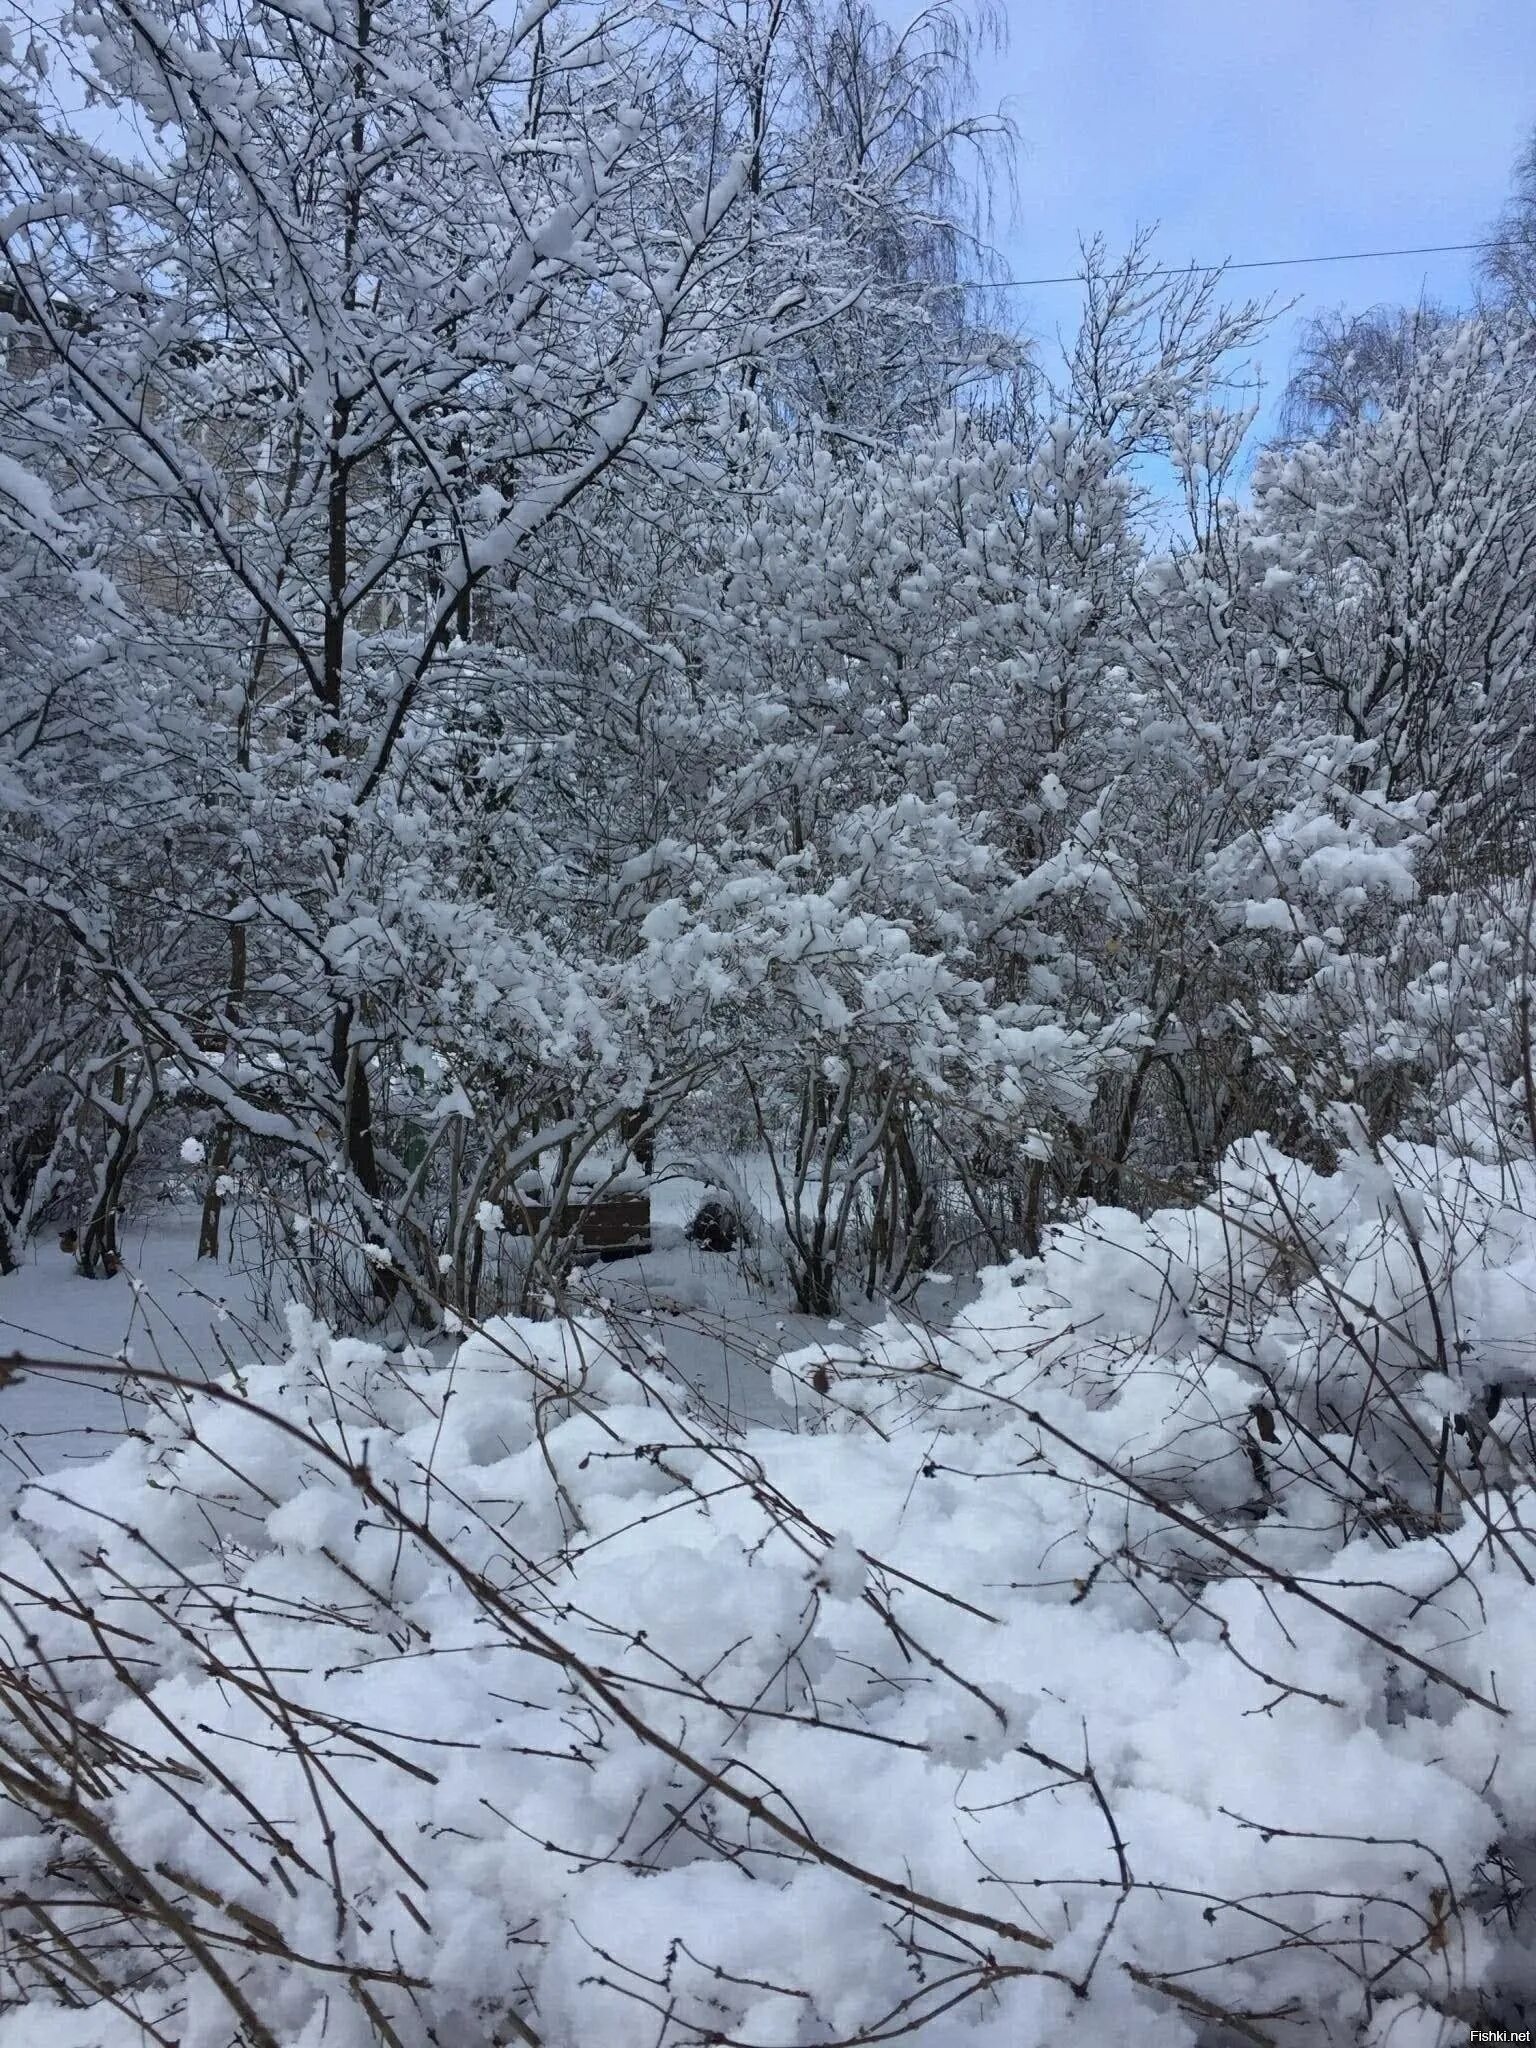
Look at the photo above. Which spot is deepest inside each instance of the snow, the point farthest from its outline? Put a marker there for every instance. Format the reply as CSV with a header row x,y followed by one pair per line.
x,y
706,1703
164,1309
168,1309
559,639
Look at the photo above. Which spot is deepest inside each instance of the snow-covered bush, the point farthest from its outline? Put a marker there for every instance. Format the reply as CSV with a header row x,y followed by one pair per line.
x,y
719,1224
1098,1661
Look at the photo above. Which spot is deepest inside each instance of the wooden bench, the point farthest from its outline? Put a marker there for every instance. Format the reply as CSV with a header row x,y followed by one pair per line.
x,y
614,1226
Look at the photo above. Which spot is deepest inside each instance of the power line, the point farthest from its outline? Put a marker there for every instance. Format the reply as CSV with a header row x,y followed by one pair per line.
x,y
1257,263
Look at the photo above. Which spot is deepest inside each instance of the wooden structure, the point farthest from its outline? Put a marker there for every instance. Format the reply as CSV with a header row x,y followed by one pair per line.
x,y
604,1226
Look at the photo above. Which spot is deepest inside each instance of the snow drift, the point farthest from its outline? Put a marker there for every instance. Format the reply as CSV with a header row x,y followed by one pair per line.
x,y
1101,1666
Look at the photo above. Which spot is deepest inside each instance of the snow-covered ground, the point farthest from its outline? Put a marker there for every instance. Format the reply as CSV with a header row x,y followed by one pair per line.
x,y
165,1308
1071,1651
725,1319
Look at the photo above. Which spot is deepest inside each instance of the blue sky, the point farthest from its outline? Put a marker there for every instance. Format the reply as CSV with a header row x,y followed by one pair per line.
x,y
1257,128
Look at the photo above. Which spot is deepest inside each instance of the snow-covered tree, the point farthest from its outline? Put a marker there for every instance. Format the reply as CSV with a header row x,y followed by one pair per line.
x,y
399,320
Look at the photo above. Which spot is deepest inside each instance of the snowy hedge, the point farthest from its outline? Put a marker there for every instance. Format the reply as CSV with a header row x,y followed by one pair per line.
x,y
1101,1667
